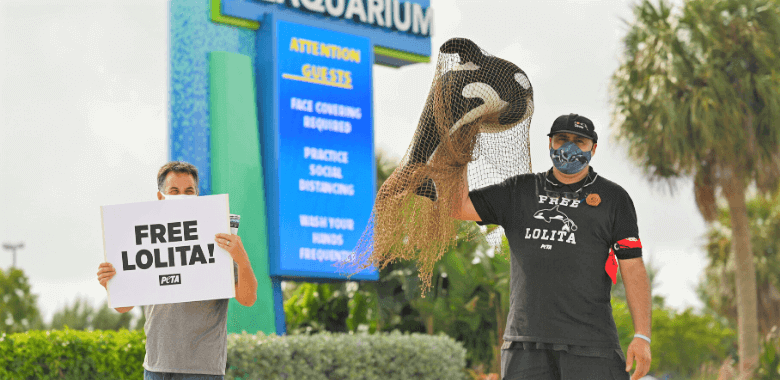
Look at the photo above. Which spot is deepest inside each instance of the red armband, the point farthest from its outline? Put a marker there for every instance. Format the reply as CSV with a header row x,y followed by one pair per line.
x,y
627,243
611,266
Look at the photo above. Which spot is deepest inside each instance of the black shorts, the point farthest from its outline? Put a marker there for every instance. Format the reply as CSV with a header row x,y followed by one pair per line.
x,y
547,364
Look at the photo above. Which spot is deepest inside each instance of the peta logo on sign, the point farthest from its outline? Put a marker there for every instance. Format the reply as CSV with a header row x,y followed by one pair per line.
x,y
170,279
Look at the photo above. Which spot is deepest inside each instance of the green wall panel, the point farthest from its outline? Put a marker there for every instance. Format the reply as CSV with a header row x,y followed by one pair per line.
x,y
236,169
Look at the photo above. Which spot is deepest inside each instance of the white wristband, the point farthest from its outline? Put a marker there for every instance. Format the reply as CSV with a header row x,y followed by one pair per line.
x,y
642,337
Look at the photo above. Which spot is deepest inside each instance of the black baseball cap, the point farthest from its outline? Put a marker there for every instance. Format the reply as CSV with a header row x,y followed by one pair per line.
x,y
576,124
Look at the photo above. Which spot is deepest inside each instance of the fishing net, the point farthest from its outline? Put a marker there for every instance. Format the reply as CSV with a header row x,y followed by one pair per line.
x,y
475,123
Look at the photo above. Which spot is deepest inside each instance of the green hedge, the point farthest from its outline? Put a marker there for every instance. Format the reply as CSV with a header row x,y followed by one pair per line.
x,y
346,356
72,354
83,355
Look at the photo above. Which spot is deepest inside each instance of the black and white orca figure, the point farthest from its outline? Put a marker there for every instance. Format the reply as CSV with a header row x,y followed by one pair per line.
x,y
479,85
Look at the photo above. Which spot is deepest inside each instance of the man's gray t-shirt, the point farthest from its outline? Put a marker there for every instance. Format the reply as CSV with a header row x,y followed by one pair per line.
x,y
187,337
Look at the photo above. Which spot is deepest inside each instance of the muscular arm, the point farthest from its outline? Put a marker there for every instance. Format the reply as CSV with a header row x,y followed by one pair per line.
x,y
463,209
637,294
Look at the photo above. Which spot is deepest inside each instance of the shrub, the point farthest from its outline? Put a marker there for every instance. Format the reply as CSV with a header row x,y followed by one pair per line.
x,y
83,355
345,356
72,354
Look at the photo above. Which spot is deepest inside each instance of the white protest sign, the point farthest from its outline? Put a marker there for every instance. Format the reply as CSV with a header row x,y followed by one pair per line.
x,y
164,251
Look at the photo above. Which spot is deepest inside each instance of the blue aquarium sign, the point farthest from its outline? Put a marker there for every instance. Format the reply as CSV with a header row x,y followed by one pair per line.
x,y
399,30
403,16
324,184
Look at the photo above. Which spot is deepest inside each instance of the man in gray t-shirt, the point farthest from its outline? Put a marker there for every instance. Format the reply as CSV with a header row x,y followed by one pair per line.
x,y
188,341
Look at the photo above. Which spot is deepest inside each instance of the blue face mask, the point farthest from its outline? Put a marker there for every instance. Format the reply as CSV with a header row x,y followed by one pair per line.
x,y
569,158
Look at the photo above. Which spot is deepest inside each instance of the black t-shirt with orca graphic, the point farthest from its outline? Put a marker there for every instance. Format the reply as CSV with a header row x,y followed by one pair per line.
x,y
559,288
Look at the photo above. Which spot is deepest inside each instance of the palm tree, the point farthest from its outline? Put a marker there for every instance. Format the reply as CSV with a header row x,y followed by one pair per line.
x,y
696,95
717,289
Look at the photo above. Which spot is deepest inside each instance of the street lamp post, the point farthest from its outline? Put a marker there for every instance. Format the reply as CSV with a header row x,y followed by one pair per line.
x,y
13,248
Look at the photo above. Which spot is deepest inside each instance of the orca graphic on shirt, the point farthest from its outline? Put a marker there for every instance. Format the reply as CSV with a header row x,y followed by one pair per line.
x,y
565,234
549,215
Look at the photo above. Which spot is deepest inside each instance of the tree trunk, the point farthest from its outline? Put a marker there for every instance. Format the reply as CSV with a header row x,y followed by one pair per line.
x,y
747,311
501,316
429,324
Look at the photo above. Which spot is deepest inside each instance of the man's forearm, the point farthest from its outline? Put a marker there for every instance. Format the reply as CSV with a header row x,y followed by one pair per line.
x,y
246,289
637,294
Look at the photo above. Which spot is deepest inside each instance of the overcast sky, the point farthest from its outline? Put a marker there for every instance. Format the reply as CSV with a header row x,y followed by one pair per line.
x,y
84,115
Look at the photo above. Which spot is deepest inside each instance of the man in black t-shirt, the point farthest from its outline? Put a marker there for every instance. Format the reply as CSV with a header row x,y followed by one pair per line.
x,y
565,227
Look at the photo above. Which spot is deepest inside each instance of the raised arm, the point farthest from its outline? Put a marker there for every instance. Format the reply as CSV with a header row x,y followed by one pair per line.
x,y
463,209
246,288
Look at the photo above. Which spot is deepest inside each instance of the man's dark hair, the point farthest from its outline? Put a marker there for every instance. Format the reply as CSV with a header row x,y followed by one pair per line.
x,y
176,167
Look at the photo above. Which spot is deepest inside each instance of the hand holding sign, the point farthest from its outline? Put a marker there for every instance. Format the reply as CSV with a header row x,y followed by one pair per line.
x,y
105,272
233,245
